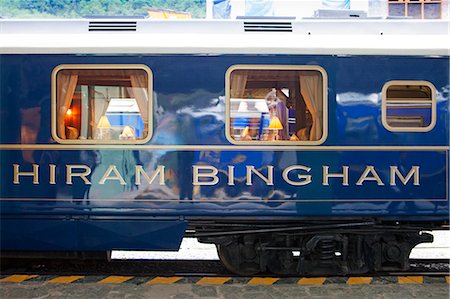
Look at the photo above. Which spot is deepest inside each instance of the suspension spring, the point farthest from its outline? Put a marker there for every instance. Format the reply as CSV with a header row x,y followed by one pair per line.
x,y
326,250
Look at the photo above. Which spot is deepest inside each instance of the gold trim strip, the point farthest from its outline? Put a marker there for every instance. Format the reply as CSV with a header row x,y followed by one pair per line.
x,y
203,200
218,147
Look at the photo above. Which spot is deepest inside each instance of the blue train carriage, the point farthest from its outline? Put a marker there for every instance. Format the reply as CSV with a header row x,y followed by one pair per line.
x,y
296,146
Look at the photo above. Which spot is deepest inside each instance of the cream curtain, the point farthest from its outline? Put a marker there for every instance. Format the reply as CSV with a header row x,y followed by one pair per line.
x,y
138,89
65,90
238,83
311,89
101,106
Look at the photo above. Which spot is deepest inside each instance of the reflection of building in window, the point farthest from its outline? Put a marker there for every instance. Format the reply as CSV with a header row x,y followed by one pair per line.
x,y
102,104
409,106
417,9
160,13
275,105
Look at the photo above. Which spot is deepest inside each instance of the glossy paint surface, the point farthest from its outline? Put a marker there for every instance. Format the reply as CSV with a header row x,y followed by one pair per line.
x,y
189,110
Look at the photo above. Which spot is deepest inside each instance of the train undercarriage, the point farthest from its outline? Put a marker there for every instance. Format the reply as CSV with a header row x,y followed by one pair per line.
x,y
310,248
321,248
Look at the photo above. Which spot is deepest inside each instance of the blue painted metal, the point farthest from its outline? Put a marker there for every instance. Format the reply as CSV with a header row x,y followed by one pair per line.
x,y
191,111
90,235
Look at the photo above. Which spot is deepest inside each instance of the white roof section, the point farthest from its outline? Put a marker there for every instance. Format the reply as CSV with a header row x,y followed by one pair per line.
x,y
257,36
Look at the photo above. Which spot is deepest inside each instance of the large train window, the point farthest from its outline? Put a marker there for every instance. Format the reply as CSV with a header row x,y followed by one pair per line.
x,y
283,105
101,104
409,106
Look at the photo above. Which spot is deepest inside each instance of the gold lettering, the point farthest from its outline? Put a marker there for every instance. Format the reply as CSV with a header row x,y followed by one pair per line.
x,y
230,175
306,178
159,171
196,175
117,177
326,175
52,174
34,174
251,169
82,175
413,172
374,177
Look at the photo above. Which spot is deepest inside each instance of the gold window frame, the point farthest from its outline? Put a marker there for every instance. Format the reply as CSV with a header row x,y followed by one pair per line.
x,y
251,67
101,67
412,83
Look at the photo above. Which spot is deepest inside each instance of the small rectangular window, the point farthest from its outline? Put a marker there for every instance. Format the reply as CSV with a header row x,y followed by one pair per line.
x,y
101,104
409,106
276,104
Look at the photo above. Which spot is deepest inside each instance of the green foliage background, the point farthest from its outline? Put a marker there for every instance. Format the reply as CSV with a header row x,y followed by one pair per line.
x,y
81,8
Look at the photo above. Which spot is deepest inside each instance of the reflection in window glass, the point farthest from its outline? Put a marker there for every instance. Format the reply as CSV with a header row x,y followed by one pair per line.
x,y
102,104
432,11
397,10
409,106
275,105
415,10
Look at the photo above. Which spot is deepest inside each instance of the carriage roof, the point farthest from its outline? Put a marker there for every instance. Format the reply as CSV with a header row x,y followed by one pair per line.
x,y
244,36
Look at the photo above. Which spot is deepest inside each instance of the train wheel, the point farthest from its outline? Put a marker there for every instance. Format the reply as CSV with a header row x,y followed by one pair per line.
x,y
239,258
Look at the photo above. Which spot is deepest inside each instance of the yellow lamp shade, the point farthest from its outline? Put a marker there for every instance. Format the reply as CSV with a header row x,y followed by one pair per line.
x,y
275,123
244,132
103,123
128,132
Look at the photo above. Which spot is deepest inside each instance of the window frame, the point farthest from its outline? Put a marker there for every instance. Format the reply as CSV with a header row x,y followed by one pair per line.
x,y
274,67
408,129
54,107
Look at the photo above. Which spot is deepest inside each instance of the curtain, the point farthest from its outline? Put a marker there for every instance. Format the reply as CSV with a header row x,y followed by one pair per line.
x,y
101,106
311,89
65,90
238,83
139,91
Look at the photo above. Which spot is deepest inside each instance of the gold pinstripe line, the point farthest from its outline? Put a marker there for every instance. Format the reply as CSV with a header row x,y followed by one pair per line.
x,y
225,201
273,147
